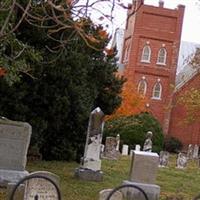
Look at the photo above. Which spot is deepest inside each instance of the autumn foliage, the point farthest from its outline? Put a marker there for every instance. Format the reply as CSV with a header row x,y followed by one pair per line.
x,y
2,72
132,102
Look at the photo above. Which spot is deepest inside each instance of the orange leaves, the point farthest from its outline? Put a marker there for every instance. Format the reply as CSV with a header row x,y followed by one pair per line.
x,y
2,71
109,52
103,34
132,103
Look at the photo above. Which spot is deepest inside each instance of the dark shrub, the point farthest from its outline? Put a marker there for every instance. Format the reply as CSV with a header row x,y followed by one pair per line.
x,y
133,129
172,144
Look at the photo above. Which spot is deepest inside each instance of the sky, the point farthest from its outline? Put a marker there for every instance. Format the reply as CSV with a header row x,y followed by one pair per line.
x,y
191,23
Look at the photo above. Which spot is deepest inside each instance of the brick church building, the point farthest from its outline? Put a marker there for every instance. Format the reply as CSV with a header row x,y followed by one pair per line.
x,y
150,58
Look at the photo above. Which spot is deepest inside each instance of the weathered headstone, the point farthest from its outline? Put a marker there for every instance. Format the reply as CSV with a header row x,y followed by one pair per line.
x,y
118,142
144,167
196,152
14,143
181,161
190,151
91,164
125,150
110,149
163,159
103,194
40,187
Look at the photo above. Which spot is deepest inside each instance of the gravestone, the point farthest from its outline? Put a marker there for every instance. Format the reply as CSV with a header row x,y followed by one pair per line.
x,y
181,161
131,153
143,171
137,147
14,143
190,151
90,168
110,149
118,142
196,152
163,159
103,194
125,150
148,142
40,187
102,150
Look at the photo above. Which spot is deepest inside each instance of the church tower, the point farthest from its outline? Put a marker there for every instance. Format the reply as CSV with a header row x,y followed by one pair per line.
x,y
150,54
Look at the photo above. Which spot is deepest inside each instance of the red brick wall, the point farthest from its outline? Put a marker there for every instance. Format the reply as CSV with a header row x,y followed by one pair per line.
x,y
159,27
186,133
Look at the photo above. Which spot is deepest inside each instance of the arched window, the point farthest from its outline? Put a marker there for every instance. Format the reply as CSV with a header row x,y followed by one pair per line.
x,y
157,91
142,87
146,54
162,55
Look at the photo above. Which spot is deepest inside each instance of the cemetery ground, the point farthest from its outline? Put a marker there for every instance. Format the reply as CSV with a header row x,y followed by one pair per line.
x,y
181,183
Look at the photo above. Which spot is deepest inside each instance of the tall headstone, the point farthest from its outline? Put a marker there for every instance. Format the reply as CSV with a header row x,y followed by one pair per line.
x,y
125,150
144,167
163,159
110,148
196,152
90,168
14,143
181,161
190,151
118,142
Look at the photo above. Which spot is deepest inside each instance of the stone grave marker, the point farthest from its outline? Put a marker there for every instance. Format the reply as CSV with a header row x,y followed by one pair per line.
x,y
181,161
163,159
110,149
196,152
143,172
190,151
14,143
103,195
137,147
125,150
41,188
90,168
118,142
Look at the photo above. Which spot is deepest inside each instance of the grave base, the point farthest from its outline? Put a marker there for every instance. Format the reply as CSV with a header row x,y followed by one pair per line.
x,y
152,191
88,174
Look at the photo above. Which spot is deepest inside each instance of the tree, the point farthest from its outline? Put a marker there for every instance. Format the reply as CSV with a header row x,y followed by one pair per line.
x,y
132,103
58,101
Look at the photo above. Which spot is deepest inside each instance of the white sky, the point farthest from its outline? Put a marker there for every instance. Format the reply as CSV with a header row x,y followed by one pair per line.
x,y
191,24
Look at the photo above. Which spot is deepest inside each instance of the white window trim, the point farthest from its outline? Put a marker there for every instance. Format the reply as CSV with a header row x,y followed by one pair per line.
x,y
160,94
145,88
149,57
165,57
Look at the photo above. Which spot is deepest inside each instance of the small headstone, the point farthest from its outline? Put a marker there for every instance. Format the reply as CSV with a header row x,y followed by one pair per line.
x,y
163,159
125,150
148,142
90,168
102,150
110,148
181,161
190,151
103,194
131,153
40,187
118,142
196,152
137,147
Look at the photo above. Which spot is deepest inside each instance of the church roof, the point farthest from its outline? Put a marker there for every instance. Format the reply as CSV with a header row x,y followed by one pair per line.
x,y
184,70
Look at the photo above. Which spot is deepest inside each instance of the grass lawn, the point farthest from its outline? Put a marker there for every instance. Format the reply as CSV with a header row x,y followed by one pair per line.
x,y
185,183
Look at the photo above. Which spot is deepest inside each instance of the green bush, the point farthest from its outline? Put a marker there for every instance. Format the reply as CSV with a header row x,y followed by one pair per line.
x,y
133,129
172,144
